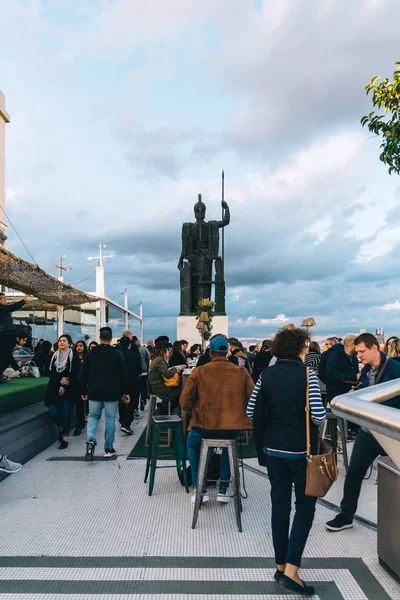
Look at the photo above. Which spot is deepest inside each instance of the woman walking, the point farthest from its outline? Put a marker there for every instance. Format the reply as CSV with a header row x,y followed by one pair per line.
x,y
80,350
63,387
277,408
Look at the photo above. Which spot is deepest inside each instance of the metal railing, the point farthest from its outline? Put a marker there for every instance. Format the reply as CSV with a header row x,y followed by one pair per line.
x,y
364,407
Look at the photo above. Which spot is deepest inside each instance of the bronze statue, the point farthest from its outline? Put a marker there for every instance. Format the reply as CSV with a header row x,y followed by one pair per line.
x,y
200,248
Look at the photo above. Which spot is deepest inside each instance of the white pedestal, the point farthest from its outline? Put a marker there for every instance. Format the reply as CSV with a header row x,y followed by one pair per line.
x,y
186,328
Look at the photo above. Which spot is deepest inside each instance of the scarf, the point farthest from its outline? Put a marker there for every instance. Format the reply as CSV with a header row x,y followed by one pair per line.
x,y
60,360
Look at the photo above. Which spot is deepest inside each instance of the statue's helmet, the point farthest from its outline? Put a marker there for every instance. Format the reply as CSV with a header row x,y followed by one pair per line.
x,y
199,209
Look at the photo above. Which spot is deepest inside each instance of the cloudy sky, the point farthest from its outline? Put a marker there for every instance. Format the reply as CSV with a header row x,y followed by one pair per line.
x,y
123,111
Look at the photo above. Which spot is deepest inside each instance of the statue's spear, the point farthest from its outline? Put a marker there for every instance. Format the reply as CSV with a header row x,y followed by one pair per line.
x,y
223,229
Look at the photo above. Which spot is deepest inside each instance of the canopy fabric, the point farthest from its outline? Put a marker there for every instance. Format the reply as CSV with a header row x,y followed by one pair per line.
x,y
23,276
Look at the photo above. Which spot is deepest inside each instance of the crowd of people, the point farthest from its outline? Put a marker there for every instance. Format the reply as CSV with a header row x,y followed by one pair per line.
x,y
229,390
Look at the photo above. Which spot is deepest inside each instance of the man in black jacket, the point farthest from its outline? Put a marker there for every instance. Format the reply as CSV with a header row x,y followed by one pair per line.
x,y
6,322
377,369
104,382
341,376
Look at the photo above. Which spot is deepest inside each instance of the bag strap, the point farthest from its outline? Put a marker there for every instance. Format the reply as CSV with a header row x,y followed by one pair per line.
x,y
308,437
381,372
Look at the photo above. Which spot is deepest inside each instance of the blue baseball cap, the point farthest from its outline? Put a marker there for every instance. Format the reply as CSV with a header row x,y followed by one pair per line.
x,y
219,344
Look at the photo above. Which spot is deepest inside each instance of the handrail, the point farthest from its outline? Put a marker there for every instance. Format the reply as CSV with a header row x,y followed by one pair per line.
x,y
375,416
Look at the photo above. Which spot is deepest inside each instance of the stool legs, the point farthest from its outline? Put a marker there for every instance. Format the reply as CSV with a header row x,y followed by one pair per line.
x,y
342,426
155,440
201,477
150,413
180,456
233,461
148,454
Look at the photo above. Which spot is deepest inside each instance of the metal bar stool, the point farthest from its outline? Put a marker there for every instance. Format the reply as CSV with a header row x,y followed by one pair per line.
x,y
231,446
166,443
333,421
161,423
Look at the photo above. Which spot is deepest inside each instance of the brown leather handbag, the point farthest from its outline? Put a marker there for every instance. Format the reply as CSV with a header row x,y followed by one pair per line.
x,y
321,468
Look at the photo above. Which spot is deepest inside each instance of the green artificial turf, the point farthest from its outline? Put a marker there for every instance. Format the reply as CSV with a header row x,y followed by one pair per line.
x,y
21,392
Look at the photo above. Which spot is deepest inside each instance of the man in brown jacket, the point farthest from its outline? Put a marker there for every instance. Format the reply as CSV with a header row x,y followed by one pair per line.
x,y
216,397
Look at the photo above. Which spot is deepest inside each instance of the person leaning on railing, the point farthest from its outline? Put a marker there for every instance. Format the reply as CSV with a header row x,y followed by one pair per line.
x,y
277,408
159,370
377,369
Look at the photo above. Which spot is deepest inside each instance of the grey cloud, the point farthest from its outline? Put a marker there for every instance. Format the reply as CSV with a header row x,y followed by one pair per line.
x,y
308,75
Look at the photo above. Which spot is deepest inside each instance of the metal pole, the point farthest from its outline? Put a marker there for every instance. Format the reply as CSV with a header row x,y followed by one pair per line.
x,y
126,316
141,323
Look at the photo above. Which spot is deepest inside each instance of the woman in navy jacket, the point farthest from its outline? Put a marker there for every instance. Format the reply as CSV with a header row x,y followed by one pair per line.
x,y
277,407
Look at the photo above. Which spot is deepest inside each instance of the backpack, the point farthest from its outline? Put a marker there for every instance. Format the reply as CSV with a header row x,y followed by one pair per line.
x,y
322,375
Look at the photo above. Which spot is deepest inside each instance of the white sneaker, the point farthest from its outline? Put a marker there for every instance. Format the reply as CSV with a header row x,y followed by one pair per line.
x,y
206,497
8,466
223,496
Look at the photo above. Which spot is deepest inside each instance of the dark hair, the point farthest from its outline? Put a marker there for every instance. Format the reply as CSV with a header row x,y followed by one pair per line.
x,y
289,343
134,339
46,346
162,338
21,335
314,347
93,343
177,347
67,337
159,350
251,348
266,345
125,342
84,346
234,342
193,348
368,339
183,342
106,334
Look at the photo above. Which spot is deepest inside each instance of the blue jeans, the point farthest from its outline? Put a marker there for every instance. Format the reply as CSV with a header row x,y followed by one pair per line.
x,y
193,445
61,415
110,411
282,474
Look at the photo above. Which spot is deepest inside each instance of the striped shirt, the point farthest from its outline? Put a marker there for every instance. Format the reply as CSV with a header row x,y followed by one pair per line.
x,y
317,410
312,360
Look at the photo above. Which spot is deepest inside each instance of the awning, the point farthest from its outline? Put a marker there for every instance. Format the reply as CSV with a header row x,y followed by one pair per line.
x,y
23,276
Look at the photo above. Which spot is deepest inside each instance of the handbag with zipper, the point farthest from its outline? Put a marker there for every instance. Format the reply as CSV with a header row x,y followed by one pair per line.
x,y
322,470
173,381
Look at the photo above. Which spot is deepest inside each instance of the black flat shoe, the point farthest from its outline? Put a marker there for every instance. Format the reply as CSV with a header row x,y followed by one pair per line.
x,y
303,590
278,574
63,445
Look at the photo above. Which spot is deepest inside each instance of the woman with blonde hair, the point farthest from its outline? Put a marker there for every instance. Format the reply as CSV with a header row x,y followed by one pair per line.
x,y
394,349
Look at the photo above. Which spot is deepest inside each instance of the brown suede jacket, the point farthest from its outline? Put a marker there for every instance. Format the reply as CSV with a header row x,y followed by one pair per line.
x,y
216,396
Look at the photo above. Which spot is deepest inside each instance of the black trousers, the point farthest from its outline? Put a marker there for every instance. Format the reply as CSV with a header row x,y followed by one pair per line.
x,y
365,451
126,413
144,394
80,411
7,343
289,547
